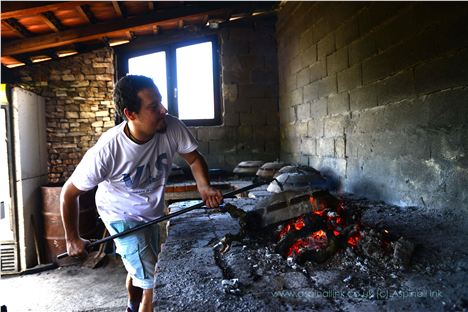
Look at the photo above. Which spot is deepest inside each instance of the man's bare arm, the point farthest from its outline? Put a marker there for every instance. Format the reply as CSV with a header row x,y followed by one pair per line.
x,y
69,208
211,196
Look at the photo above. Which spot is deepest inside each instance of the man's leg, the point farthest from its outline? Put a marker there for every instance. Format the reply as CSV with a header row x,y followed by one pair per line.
x,y
147,301
135,294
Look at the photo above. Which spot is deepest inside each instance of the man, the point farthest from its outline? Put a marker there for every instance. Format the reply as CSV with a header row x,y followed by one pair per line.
x,y
131,164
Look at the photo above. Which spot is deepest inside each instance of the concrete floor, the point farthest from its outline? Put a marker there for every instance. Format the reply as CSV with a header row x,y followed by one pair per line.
x,y
71,288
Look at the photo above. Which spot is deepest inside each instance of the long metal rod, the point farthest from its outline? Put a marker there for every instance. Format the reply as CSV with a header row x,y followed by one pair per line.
x,y
166,217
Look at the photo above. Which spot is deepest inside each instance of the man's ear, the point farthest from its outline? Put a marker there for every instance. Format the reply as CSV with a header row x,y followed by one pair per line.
x,y
130,115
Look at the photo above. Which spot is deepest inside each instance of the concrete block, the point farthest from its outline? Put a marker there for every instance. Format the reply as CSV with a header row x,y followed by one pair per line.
x,y
377,13
241,105
310,92
244,132
337,61
338,103
377,67
253,119
291,82
231,119
295,65
230,76
370,121
364,97
442,73
347,33
326,46
296,97
326,147
292,114
300,129
261,76
308,146
334,126
303,111
447,109
309,55
315,128
406,114
318,108
340,147
222,133
303,77
291,145
450,147
306,39
396,30
318,70
250,91
395,88
327,86
361,49
350,78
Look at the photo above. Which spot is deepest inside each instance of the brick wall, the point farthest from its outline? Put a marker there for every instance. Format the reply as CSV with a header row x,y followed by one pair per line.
x,y
375,95
249,82
79,106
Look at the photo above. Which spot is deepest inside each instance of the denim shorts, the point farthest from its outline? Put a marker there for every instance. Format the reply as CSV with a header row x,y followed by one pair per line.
x,y
139,250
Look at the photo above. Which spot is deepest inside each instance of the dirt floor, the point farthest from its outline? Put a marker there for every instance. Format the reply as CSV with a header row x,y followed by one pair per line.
x,y
71,288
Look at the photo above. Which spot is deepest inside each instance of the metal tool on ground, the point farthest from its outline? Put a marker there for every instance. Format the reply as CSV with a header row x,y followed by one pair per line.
x,y
95,257
166,217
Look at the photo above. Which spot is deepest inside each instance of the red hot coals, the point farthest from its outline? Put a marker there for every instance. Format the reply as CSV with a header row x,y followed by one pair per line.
x,y
318,235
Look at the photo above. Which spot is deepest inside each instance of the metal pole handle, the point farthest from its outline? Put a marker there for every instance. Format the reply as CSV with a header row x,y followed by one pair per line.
x,y
166,217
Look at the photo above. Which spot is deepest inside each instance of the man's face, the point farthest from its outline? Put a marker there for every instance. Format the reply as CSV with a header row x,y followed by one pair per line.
x,y
151,117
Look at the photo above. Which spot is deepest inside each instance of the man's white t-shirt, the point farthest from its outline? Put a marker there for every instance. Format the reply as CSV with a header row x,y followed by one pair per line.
x,y
131,176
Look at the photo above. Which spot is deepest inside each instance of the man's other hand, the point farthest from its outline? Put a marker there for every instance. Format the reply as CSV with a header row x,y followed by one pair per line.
x,y
77,247
211,196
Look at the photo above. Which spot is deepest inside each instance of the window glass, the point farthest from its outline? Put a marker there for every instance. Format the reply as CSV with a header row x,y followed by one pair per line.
x,y
195,81
154,66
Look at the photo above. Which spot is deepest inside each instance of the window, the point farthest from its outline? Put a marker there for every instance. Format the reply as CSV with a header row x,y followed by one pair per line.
x,y
187,77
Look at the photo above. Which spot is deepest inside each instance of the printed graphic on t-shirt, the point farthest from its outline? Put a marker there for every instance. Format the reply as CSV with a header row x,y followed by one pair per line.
x,y
147,177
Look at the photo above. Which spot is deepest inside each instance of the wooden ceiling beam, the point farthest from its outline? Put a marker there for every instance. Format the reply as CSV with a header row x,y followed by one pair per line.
x,y
52,21
97,31
119,8
18,27
6,25
18,9
86,13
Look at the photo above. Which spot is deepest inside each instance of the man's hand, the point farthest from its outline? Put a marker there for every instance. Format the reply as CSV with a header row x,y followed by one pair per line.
x,y
211,196
77,247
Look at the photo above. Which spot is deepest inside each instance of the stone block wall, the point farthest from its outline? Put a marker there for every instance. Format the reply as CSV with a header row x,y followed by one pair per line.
x,y
249,84
79,107
375,95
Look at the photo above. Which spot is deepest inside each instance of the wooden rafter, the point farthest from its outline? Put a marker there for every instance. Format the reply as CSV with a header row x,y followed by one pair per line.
x,y
52,21
98,31
18,9
18,27
119,8
86,13
156,29
6,25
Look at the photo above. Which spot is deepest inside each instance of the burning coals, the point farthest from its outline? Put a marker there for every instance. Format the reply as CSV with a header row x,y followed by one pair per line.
x,y
327,226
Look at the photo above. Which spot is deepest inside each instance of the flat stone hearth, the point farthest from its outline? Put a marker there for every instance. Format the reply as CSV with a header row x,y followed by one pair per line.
x,y
192,276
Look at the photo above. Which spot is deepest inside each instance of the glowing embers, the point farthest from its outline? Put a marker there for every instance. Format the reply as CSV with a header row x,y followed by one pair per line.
x,y
318,235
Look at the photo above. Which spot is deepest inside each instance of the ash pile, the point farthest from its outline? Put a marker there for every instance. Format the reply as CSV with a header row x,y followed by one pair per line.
x,y
307,249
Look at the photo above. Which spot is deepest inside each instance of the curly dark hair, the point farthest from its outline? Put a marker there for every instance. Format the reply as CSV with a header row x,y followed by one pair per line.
x,y
126,90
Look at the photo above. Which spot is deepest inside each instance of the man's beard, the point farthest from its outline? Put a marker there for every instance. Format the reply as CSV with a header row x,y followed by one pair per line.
x,y
163,127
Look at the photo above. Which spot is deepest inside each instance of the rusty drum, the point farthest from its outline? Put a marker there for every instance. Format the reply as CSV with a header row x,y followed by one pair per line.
x,y
54,234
